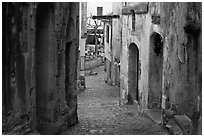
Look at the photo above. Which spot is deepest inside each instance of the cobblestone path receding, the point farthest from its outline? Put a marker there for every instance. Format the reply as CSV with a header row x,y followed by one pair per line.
x,y
99,112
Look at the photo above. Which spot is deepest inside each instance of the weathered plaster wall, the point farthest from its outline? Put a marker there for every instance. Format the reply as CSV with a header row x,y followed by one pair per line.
x,y
70,26
19,67
124,63
82,38
140,38
181,70
182,57
116,42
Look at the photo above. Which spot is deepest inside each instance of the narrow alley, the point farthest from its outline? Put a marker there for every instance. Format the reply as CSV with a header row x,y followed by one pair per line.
x,y
102,68
99,111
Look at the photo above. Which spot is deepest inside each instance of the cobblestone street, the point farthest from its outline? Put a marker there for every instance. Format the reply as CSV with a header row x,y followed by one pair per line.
x,y
100,113
102,68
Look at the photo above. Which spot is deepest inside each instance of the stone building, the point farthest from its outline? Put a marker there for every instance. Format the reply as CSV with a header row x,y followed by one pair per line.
x,y
112,44
116,43
82,41
108,50
40,52
83,33
161,55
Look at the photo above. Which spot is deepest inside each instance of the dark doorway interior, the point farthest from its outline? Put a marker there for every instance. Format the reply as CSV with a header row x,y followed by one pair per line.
x,y
194,68
133,72
71,73
68,70
155,71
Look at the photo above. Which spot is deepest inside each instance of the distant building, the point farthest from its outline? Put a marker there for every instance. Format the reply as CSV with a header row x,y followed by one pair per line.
x,y
108,50
113,44
82,38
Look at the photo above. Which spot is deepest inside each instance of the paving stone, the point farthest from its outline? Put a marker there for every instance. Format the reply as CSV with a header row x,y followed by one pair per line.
x,y
93,131
100,131
105,116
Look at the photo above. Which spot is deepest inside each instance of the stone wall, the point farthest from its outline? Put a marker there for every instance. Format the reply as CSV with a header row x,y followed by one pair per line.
x,y
182,73
35,66
116,42
139,37
82,38
114,46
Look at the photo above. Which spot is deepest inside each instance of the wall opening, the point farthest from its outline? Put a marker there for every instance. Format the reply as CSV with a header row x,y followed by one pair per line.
x,y
44,63
155,71
99,11
71,73
194,72
133,68
107,33
133,20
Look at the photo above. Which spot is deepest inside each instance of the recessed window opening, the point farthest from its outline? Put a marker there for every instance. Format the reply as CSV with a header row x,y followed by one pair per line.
x,y
133,20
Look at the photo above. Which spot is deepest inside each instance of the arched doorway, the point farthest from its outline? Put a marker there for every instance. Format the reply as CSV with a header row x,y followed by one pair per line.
x,y
44,62
194,68
71,55
133,69
155,71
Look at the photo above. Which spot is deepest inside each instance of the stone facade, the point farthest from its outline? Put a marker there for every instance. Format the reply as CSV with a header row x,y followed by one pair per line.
x,y
113,45
82,43
168,67
108,50
40,52
82,36
139,38
116,43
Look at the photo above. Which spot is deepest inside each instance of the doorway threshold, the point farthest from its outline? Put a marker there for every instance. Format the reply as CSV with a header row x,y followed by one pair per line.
x,y
155,115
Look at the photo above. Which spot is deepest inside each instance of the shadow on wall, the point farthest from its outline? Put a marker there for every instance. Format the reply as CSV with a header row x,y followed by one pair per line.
x,y
155,71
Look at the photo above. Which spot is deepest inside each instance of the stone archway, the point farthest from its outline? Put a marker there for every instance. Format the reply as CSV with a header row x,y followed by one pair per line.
x,y
194,68
44,62
155,71
71,55
133,64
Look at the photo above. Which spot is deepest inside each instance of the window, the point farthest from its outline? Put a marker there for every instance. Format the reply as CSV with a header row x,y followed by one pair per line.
x,y
107,33
133,20
99,11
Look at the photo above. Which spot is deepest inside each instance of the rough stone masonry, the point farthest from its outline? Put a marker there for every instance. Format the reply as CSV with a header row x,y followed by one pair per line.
x,y
40,47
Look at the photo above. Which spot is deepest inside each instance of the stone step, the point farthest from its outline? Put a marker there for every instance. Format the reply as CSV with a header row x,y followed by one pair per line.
x,y
184,122
173,128
155,115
